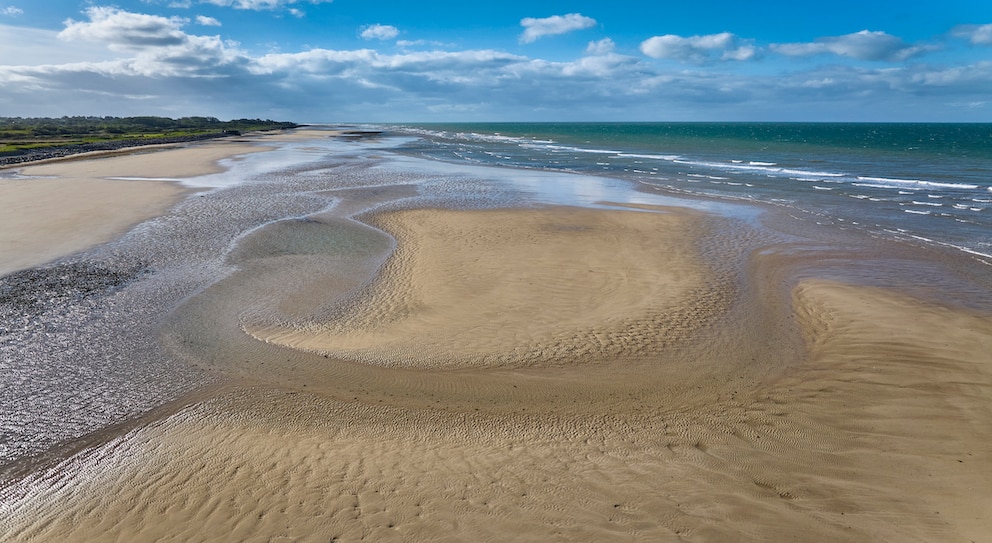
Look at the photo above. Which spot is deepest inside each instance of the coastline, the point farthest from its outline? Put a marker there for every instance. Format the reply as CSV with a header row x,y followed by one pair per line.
x,y
56,207
468,388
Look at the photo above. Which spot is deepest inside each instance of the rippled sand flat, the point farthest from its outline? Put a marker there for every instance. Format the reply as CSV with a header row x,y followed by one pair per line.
x,y
879,433
535,373
517,287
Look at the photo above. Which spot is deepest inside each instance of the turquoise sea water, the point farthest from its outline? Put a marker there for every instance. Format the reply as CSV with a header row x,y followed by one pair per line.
x,y
931,183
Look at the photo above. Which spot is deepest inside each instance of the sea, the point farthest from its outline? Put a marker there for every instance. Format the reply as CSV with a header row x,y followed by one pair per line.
x,y
919,182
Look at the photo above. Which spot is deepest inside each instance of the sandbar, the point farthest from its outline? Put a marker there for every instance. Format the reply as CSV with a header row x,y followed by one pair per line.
x,y
514,287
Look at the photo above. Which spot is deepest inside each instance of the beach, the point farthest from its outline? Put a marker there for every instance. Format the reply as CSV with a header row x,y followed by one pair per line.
x,y
352,346
77,203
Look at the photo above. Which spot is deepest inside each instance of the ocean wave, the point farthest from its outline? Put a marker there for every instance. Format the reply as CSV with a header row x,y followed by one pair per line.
x,y
666,158
810,175
474,137
701,176
877,186
767,168
557,148
889,182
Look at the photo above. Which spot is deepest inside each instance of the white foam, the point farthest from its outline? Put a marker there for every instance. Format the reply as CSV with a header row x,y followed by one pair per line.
x,y
714,177
888,182
666,158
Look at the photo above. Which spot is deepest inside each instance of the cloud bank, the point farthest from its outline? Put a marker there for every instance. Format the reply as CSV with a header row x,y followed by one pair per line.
x,y
124,30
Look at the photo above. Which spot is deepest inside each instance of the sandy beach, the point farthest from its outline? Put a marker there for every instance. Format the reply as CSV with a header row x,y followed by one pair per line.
x,y
538,373
63,206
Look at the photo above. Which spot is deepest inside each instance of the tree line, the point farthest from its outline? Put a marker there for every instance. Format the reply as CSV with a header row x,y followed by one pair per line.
x,y
31,127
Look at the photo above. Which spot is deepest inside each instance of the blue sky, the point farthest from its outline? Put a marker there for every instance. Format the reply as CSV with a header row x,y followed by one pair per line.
x,y
509,60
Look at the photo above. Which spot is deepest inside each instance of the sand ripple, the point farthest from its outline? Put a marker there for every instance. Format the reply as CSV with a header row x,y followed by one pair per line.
x,y
599,383
504,288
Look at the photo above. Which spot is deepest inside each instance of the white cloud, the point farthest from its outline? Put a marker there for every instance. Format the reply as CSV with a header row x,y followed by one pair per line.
x,y
699,49
743,52
601,47
203,20
125,30
379,32
11,11
864,45
159,46
557,24
260,5
976,34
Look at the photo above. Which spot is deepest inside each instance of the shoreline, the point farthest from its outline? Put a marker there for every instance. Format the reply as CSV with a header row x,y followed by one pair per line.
x,y
796,406
110,148
59,206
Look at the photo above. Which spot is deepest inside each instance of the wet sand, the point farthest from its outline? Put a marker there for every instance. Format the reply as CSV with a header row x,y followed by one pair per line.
x,y
71,204
541,374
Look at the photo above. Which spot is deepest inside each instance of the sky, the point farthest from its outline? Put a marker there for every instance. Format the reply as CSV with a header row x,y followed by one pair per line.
x,y
506,60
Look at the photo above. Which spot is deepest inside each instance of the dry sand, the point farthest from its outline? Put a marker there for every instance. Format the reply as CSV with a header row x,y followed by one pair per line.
x,y
571,431
71,204
510,287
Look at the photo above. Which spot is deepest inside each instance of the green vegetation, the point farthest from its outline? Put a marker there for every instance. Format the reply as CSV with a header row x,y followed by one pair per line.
x,y
21,135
